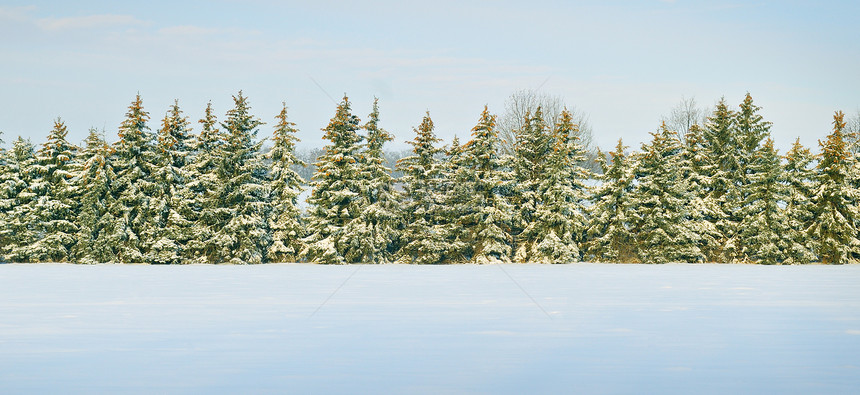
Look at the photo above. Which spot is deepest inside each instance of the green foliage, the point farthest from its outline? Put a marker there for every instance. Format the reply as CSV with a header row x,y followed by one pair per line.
x,y
286,222
610,216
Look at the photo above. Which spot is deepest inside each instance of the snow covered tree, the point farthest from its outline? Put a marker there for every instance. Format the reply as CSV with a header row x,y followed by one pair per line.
x,y
608,237
425,235
833,227
92,184
800,179
377,229
203,206
558,224
133,162
704,205
52,211
765,230
244,202
661,203
487,214
751,131
336,197
286,220
167,229
455,196
723,151
531,152
16,229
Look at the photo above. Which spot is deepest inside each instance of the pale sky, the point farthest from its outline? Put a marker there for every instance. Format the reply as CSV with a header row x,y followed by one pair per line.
x,y
623,63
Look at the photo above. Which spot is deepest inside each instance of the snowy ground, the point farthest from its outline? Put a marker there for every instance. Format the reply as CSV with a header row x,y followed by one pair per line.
x,y
418,329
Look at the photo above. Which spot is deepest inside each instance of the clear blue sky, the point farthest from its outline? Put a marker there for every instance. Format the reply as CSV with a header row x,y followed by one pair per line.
x,y
624,63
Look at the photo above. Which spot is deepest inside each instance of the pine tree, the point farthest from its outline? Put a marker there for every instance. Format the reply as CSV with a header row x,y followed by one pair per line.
x,y
17,229
488,213
558,224
52,211
724,172
610,217
167,229
800,181
286,221
203,206
376,231
244,196
661,204
703,204
455,196
531,151
336,197
133,163
94,175
424,237
834,213
765,230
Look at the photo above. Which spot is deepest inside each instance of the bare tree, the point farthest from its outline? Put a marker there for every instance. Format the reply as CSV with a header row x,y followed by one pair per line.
x,y
684,115
524,102
852,131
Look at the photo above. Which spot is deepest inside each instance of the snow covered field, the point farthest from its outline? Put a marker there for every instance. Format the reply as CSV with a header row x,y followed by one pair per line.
x,y
418,329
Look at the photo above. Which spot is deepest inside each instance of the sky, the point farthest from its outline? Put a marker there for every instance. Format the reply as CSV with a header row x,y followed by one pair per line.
x,y
624,64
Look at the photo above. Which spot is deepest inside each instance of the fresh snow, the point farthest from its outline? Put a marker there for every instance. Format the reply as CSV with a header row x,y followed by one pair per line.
x,y
580,328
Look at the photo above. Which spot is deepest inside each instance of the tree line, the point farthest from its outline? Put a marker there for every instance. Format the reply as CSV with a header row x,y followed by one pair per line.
x,y
721,194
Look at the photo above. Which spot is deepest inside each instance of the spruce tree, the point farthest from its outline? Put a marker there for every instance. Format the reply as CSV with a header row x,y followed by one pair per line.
x,y
133,161
378,227
244,198
558,224
52,211
661,203
17,228
610,217
336,198
167,228
455,196
833,227
800,179
286,220
94,175
203,207
531,151
704,205
724,173
765,231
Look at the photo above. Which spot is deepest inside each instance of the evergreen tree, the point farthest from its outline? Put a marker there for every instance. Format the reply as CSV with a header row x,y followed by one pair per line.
x,y
704,206
244,210
765,231
377,230
52,211
17,228
487,213
661,204
133,163
456,208
94,175
800,181
558,224
167,228
424,237
203,207
336,197
286,221
531,151
834,204
723,151
610,217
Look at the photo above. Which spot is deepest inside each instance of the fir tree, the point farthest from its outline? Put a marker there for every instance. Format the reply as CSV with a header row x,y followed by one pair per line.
x,y
558,224
834,205
765,231
203,207
286,221
800,181
336,197
244,196
661,204
455,196
608,235
724,174
133,163
17,228
704,205
424,237
488,213
167,228
531,151
94,175
52,212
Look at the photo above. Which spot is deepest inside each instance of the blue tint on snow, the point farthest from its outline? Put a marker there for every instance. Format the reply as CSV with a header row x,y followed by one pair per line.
x,y
430,329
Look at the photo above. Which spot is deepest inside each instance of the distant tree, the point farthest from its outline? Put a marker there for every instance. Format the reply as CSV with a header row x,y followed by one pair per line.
x,y
684,116
286,222
608,238
526,102
833,227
